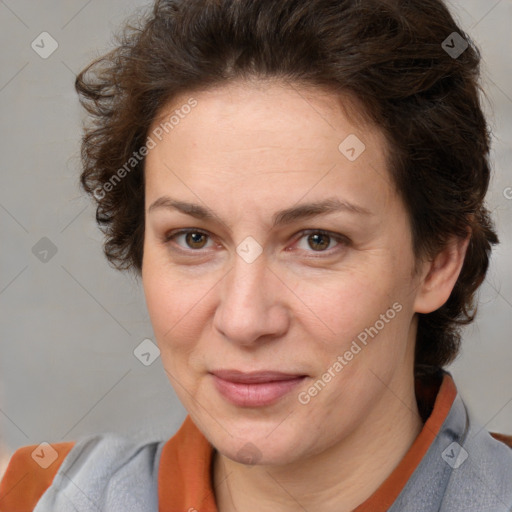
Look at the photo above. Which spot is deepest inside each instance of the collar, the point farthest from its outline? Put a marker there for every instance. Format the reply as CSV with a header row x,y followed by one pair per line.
x,y
186,458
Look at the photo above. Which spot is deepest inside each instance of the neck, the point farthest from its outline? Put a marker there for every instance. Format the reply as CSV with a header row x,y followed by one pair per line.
x,y
336,480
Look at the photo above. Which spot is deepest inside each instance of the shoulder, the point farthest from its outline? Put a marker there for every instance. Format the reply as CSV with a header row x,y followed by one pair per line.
x,y
505,439
29,473
482,475
87,471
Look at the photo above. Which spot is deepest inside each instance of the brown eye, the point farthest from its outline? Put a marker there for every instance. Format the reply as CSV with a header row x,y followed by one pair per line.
x,y
319,241
193,239
322,241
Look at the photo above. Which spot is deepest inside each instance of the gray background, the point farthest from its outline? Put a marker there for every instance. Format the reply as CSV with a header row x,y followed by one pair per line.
x,y
69,326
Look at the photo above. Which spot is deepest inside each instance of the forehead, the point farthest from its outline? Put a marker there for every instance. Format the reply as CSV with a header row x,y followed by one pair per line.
x,y
259,105
272,137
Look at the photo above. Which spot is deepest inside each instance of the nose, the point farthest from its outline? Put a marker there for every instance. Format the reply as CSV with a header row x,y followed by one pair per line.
x,y
252,307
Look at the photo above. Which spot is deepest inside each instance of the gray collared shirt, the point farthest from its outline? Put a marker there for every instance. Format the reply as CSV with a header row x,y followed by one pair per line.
x,y
464,470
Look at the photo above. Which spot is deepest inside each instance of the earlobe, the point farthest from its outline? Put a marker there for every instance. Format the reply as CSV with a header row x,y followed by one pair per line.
x,y
440,276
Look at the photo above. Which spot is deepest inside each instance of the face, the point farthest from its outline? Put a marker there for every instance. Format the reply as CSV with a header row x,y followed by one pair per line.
x,y
254,280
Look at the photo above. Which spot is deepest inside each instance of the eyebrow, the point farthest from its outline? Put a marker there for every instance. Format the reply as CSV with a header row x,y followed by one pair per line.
x,y
280,218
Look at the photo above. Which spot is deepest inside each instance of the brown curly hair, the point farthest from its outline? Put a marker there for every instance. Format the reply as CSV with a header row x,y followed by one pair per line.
x,y
391,55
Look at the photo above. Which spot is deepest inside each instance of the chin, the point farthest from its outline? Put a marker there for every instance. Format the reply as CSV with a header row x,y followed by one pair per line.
x,y
256,447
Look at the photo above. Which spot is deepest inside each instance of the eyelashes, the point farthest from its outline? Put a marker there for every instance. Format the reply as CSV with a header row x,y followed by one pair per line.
x,y
319,234
171,237
195,241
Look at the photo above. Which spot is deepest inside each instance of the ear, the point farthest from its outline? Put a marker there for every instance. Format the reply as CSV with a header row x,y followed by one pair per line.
x,y
440,275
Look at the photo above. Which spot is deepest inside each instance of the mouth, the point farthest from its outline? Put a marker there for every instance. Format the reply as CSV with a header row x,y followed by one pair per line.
x,y
254,389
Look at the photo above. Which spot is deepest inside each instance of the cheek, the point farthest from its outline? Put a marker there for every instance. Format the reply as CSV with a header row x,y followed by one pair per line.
x,y
167,303
177,306
345,303
359,315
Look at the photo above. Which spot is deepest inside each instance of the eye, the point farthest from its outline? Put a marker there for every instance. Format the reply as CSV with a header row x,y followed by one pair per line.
x,y
194,239
318,240
321,241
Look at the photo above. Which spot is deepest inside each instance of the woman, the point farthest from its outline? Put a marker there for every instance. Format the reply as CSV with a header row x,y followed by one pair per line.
x,y
300,185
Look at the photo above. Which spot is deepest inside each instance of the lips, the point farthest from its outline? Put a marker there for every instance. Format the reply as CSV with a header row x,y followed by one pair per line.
x,y
254,377
254,389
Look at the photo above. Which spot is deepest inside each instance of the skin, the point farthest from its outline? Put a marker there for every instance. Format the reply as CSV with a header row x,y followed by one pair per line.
x,y
246,151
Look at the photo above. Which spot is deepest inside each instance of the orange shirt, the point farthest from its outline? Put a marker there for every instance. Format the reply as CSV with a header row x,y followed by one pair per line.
x,y
186,462
191,475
